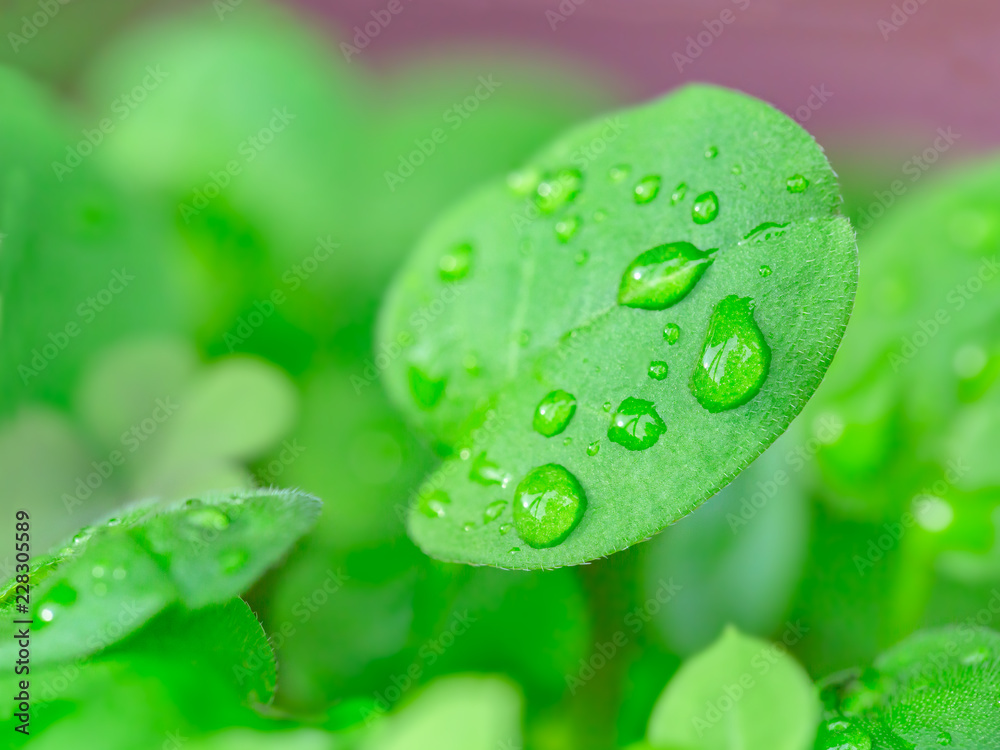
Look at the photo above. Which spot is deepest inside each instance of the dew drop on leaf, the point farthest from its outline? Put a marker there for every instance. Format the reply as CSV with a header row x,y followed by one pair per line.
x,y
455,264
711,152
735,358
636,425
568,441
594,448
523,181
671,333
434,504
468,526
765,231
764,271
233,561
944,738
619,173
554,412
606,406
841,734
548,504
663,276
657,370
426,391
208,518
600,215
505,528
737,169
796,184
556,191
705,208
493,511
566,228
646,189
582,257
485,472
678,195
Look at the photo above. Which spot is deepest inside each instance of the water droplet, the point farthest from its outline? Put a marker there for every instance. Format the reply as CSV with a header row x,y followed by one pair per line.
x,y
524,181
582,257
705,208
512,550
796,184
735,359
233,561
636,425
46,614
646,189
548,504
505,528
208,518
663,276
841,734
619,173
485,472
83,535
671,333
113,522
427,391
568,441
465,454
711,152
600,215
192,502
566,228
765,231
764,271
737,169
556,191
657,370
606,406
468,526
944,738
455,265
493,511
434,504
678,195
554,412
594,448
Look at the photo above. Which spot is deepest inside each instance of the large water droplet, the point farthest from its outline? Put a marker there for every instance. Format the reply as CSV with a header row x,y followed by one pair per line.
x,y
557,190
663,276
455,264
842,734
434,504
657,370
554,412
636,425
678,195
494,510
485,471
705,208
646,189
735,359
427,391
671,333
548,504
208,518
566,228
796,184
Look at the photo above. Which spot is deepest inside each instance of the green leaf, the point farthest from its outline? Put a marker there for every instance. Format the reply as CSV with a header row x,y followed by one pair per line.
x,y
658,427
113,577
937,688
739,694
454,713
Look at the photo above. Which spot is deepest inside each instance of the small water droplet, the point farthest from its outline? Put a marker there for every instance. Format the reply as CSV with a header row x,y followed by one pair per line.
x,y
582,257
657,370
764,271
594,448
485,472
434,504
548,504
678,195
646,189
711,152
524,181
233,561
113,522
600,215
455,264
566,228
765,231
468,526
556,191
944,738
671,333
465,454
735,358
568,441
505,528
554,412
46,614
83,535
493,511
606,406
663,276
705,208
512,550
427,391
192,502
796,184
619,173
208,518
636,425
737,169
